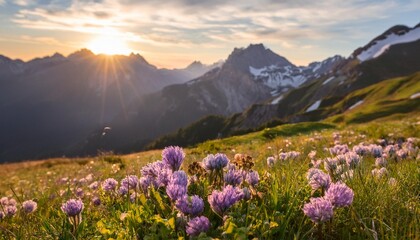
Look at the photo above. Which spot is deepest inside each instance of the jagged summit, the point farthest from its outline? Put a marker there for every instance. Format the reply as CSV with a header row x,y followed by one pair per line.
x,y
82,53
256,56
195,65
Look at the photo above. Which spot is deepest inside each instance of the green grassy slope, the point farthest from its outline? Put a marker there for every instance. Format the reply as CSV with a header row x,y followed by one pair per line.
x,y
380,100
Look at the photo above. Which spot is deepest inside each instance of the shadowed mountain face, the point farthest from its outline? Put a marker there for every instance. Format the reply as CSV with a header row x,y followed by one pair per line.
x,y
50,104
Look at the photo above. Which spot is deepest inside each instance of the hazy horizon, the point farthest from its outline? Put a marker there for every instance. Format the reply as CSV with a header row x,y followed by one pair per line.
x,y
172,35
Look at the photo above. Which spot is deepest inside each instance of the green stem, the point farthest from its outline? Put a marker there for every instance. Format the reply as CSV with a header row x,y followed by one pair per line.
x,y
319,231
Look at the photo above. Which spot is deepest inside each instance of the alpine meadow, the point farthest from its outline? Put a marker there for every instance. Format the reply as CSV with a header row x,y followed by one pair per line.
x,y
209,119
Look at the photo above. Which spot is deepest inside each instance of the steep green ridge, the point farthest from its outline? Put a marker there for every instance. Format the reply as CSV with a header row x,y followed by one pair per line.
x,y
379,100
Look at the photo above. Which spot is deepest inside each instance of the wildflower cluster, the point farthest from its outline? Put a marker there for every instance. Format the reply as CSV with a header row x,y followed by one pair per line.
x,y
9,207
391,151
282,156
218,196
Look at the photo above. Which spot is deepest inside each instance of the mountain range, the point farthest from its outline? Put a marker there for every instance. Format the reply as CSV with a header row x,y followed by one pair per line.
x,y
50,104
82,103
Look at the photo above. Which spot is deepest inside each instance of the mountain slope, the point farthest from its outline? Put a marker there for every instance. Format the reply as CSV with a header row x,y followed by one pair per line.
x,y
312,100
50,104
399,60
223,91
393,96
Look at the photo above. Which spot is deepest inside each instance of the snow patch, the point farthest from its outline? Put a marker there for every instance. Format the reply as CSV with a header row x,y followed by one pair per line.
x,y
274,76
356,104
328,80
415,95
317,67
314,106
277,100
381,46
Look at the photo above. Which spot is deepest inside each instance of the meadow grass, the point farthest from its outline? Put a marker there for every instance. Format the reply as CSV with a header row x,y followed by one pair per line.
x,y
380,209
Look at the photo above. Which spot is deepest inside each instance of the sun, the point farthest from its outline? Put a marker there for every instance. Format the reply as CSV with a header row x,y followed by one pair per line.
x,y
109,45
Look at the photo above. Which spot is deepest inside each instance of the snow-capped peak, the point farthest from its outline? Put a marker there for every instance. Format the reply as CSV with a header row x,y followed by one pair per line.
x,y
379,46
281,78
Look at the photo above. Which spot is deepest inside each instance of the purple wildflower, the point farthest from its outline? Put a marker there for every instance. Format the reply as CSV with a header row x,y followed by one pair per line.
x,y
96,201
361,149
318,179
192,206
72,207
109,184
215,162
247,193
130,182
133,197
283,156
179,178
293,155
341,158
330,164
29,206
379,173
123,190
339,194
82,181
145,183
402,153
10,210
182,204
352,159
375,150
391,149
339,149
164,176
79,192
252,178
271,161
63,180
176,191
233,177
4,201
312,155
89,177
173,157
11,202
197,225
94,185
158,173
380,162
316,163
152,170
220,201
318,210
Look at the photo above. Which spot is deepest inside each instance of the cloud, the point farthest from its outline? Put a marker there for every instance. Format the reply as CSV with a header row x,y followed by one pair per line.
x,y
24,2
186,23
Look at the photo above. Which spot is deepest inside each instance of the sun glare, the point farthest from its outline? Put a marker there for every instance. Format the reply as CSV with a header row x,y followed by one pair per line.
x,y
110,45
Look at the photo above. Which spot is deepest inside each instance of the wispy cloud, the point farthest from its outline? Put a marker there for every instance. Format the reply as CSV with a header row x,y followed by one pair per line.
x,y
213,24
181,22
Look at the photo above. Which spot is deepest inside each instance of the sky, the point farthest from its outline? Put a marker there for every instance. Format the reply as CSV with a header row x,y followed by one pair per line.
x,y
173,33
